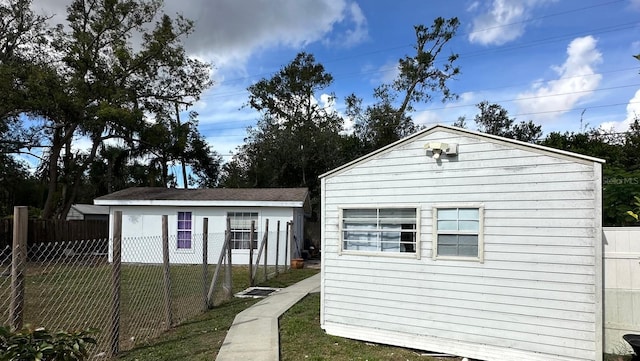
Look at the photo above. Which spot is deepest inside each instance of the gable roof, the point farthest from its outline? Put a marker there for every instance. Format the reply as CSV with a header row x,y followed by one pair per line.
x,y
90,209
475,134
266,197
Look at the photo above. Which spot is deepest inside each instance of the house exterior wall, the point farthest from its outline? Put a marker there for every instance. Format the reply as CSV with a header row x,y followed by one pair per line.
x,y
621,286
74,215
142,233
535,295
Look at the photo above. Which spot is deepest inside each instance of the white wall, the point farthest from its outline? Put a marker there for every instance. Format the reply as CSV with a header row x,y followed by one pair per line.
x,y
535,296
74,215
621,286
142,231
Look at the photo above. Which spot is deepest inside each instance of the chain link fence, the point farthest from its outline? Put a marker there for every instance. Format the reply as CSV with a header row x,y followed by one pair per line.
x,y
78,285
5,283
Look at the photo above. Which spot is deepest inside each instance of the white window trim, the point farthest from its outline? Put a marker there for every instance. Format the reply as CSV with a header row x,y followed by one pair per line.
x,y
258,223
191,249
434,236
416,254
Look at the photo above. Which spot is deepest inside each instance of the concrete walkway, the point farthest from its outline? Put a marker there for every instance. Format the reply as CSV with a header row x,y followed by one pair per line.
x,y
254,333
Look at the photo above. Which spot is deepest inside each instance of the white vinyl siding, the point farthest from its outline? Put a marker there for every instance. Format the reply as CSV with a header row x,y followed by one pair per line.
x,y
532,296
379,229
142,233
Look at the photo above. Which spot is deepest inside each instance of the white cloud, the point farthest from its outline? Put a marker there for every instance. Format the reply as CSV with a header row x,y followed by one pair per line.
x,y
503,21
229,31
464,98
473,6
577,80
359,32
385,74
427,118
232,30
449,113
633,112
635,4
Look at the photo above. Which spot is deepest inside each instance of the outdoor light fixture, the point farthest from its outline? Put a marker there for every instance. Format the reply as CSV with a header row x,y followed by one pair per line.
x,y
437,149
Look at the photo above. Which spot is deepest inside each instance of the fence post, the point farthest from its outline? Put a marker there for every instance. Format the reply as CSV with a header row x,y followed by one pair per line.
x,y
277,245
261,249
167,274
214,280
286,245
228,279
205,261
18,266
115,282
266,247
292,242
251,235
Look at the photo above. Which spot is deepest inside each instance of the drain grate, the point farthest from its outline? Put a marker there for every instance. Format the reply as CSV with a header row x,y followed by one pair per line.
x,y
257,292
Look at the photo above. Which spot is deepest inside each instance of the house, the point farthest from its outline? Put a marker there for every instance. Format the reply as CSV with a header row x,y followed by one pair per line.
x,y
88,212
466,243
143,207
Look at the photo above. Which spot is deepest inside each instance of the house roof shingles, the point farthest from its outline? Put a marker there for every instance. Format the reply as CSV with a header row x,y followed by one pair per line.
x,y
209,194
90,209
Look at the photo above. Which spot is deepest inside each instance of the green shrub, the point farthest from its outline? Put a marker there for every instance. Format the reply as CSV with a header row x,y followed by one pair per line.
x,y
41,345
634,213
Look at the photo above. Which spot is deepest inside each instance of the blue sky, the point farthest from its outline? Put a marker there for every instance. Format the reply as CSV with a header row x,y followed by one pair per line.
x,y
543,60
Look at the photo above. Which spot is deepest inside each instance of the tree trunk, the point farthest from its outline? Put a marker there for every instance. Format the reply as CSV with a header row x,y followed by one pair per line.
x,y
165,171
184,173
72,193
178,131
61,135
54,153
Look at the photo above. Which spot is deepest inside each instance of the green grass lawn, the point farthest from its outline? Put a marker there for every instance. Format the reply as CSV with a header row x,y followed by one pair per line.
x,y
201,337
77,295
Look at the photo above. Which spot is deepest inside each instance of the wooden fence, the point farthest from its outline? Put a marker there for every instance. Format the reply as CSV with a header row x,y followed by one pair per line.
x,y
47,231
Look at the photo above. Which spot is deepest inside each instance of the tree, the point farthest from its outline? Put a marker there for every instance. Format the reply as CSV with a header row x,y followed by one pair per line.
x,y
420,77
296,138
23,72
631,147
107,88
620,178
379,124
461,122
634,212
494,119
171,141
205,163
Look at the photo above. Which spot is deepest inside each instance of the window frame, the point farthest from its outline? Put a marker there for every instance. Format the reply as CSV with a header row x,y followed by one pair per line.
x,y
343,251
251,241
179,229
434,225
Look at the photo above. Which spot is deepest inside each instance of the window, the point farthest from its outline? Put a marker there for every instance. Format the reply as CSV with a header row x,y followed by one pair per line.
x,y
184,230
379,230
241,229
458,232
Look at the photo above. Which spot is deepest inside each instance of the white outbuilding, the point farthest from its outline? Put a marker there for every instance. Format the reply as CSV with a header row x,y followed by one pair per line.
x,y
143,207
465,243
